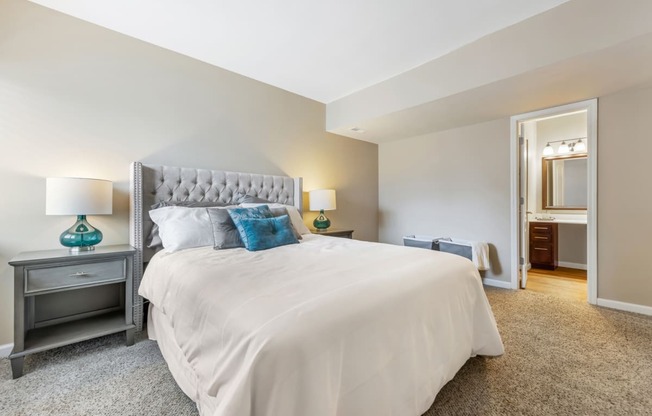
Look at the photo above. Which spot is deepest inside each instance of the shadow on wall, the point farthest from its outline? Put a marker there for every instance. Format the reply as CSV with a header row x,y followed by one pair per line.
x,y
496,267
215,154
383,222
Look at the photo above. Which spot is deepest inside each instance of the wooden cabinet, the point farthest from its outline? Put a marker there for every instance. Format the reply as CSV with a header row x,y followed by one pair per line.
x,y
61,298
543,245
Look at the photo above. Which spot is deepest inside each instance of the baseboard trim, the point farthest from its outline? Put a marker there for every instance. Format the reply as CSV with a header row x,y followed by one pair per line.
x,y
624,306
572,265
5,350
497,283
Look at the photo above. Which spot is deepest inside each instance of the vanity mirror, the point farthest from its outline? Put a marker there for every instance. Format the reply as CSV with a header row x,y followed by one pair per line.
x,y
564,182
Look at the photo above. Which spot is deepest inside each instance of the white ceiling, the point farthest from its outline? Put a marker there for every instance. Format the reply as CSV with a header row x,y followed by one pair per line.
x,y
579,50
322,50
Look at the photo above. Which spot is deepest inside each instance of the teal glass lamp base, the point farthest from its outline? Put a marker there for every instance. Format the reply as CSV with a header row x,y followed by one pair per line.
x,y
321,223
81,236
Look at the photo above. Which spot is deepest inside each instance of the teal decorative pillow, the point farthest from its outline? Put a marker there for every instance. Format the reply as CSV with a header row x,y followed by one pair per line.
x,y
263,233
261,211
225,232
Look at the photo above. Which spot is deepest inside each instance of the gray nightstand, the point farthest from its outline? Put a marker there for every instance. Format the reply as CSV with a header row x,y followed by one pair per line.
x,y
334,232
62,298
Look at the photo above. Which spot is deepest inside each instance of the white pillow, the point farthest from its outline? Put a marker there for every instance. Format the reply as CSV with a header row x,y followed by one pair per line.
x,y
293,213
183,227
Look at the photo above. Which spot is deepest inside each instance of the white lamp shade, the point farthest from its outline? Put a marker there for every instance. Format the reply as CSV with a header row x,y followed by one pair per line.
x,y
563,148
322,199
78,196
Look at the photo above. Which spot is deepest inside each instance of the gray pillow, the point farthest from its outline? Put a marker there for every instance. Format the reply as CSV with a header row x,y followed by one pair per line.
x,y
153,240
250,199
277,212
224,232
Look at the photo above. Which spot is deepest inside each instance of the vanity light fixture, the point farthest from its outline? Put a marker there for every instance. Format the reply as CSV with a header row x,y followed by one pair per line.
x,y
567,146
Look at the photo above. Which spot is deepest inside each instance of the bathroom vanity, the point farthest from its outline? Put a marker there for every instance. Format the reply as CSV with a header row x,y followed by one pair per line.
x,y
544,247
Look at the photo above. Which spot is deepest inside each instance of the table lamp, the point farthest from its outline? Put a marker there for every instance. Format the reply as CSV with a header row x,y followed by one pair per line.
x,y
80,197
322,200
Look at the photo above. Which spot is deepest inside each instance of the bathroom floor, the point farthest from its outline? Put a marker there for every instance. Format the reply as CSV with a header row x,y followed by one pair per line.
x,y
563,282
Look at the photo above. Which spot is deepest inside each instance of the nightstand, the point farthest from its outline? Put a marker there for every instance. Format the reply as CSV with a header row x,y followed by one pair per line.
x,y
334,232
61,298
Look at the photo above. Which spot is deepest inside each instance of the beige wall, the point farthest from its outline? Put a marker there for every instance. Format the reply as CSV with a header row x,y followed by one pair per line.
x,y
449,184
457,182
79,100
573,245
624,197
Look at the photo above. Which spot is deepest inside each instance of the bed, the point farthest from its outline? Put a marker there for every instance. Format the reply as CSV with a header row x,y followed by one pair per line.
x,y
329,326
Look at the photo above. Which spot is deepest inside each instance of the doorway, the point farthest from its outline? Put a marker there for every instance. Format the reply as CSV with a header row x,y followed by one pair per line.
x,y
550,199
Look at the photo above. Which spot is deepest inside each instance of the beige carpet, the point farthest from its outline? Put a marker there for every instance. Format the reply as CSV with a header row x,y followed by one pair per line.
x,y
563,358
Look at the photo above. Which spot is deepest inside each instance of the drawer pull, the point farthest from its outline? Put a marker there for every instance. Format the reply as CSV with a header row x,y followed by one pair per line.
x,y
539,248
540,238
80,274
540,228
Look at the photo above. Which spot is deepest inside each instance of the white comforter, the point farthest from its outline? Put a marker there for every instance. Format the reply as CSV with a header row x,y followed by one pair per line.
x,y
329,327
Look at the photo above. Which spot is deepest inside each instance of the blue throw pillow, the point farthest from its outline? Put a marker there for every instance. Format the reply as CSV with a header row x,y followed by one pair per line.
x,y
261,211
263,233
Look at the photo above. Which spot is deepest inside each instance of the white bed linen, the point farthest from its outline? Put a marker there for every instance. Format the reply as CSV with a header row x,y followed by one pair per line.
x,y
329,327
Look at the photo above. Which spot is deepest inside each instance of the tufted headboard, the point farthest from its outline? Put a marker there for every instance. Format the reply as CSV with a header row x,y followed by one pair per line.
x,y
150,184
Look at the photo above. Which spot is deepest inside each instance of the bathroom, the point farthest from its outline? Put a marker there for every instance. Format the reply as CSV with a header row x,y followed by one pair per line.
x,y
557,194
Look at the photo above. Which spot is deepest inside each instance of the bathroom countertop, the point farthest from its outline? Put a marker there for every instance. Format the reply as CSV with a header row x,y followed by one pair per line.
x,y
563,221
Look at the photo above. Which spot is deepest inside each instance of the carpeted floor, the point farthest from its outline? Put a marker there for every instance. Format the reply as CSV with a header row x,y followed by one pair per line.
x,y
562,358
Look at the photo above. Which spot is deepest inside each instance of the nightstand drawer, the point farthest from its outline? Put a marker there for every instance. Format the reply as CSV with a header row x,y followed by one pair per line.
x,y
40,279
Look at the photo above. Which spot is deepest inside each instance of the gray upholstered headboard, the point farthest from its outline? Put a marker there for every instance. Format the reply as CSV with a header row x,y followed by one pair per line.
x,y
153,183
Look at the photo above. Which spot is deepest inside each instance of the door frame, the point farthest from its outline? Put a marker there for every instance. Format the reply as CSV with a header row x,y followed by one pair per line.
x,y
591,106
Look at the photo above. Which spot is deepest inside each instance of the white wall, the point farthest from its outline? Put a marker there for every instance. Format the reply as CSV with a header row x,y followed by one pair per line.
x,y
533,160
453,183
80,100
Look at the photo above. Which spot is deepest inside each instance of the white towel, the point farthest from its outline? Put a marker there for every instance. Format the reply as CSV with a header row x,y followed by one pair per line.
x,y
479,253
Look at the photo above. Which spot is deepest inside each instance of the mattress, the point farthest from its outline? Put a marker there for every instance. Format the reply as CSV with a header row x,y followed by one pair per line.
x,y
330,326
